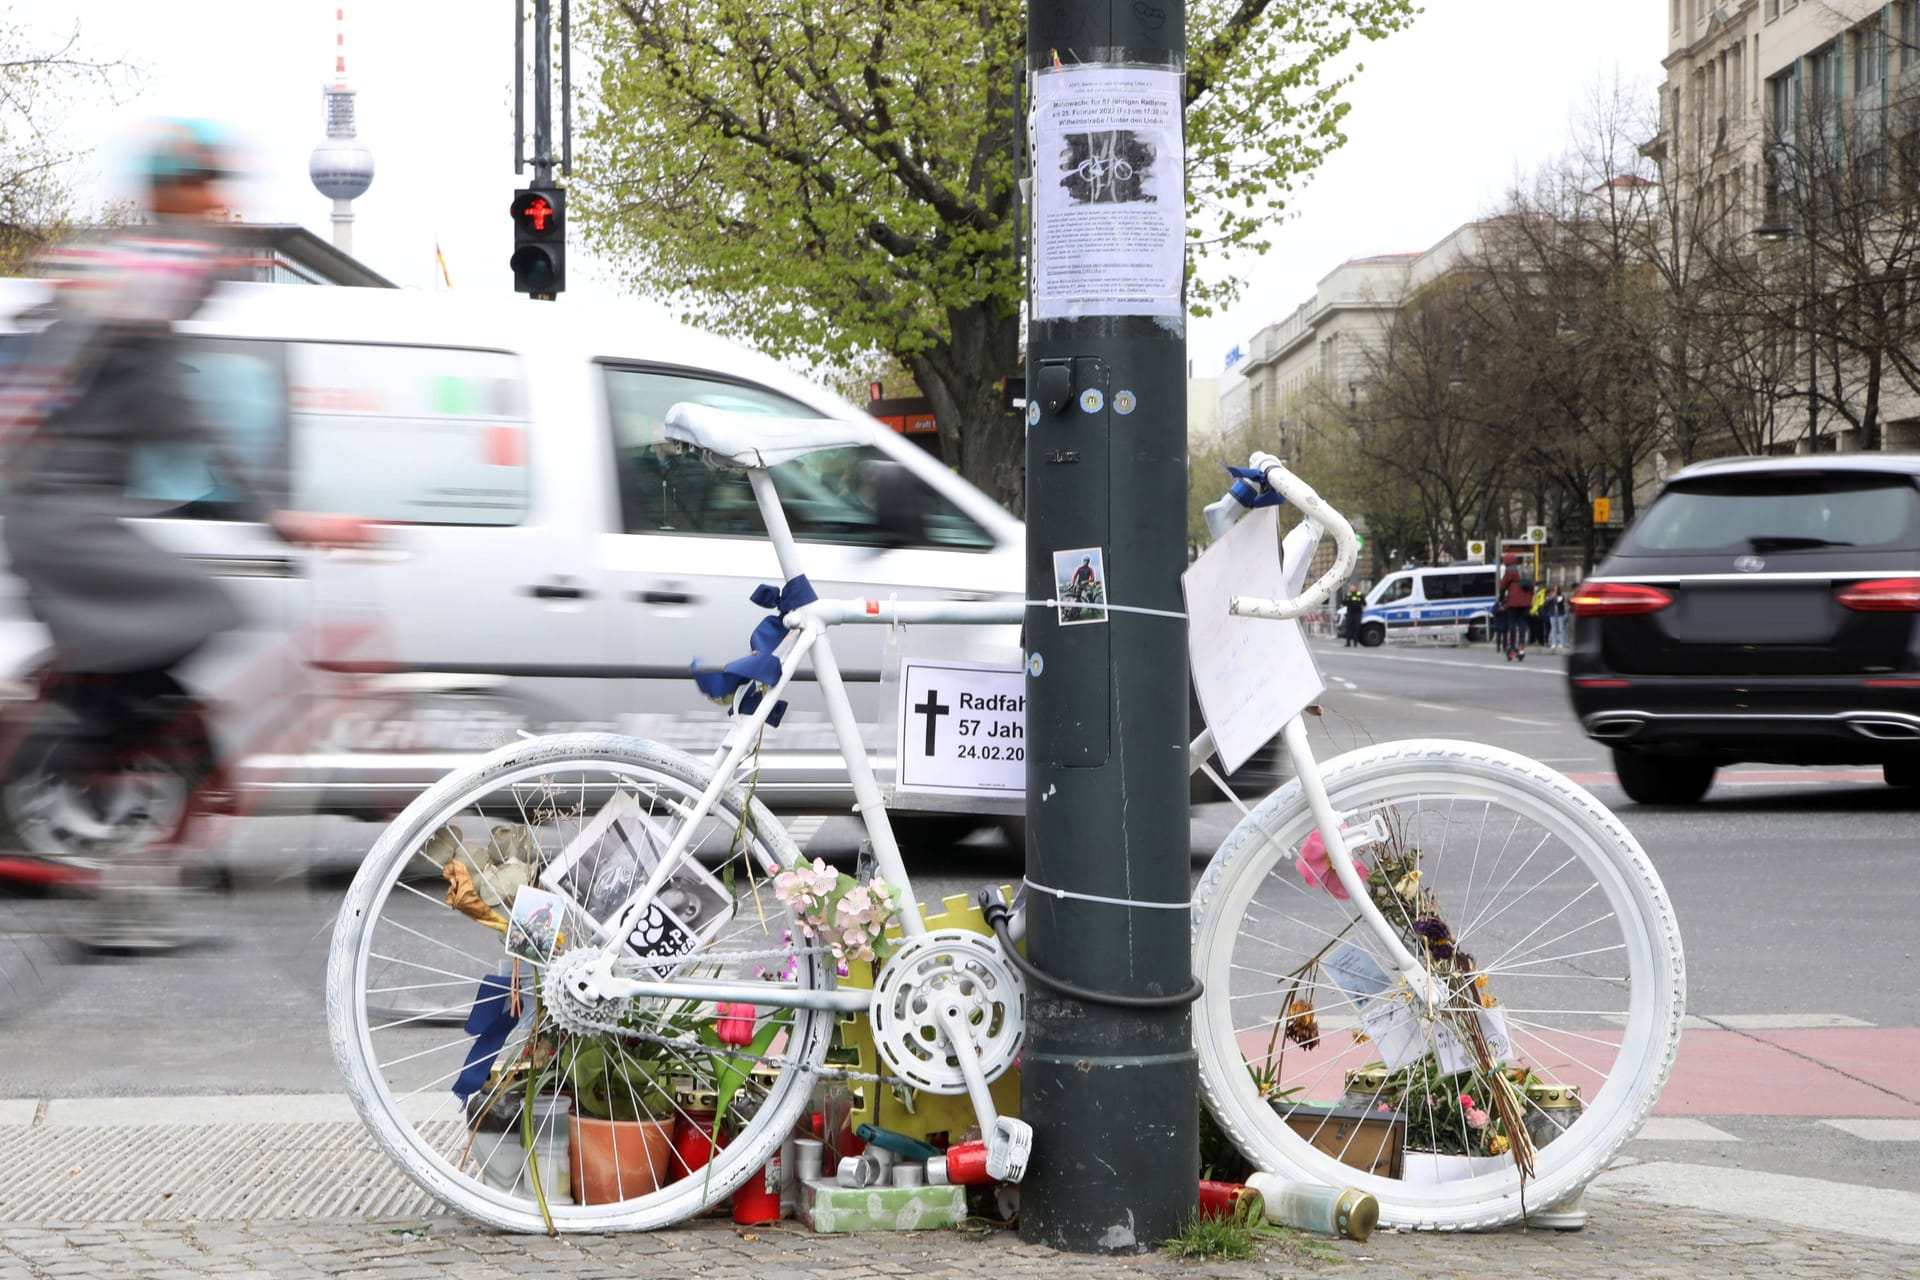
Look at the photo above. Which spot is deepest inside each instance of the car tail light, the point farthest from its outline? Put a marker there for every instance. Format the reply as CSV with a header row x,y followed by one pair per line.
x,y
1883,595
1616,600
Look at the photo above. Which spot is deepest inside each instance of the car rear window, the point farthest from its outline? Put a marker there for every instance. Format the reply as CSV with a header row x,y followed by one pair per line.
x,y
1780,511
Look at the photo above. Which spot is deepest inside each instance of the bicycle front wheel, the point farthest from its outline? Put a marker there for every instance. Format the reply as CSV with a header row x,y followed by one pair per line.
x,y
1559,986
473,1068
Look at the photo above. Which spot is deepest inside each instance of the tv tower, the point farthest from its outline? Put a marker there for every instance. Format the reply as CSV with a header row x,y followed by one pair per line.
x,y
341,166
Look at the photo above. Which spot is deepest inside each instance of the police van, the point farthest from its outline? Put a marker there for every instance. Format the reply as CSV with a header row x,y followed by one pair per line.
x,y
1448,602
548,561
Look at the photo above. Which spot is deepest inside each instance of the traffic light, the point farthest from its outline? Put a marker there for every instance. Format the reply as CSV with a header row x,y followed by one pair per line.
x,y
539,259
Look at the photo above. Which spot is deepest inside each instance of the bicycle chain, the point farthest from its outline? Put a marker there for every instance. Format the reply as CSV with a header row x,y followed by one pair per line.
x,y
821,1072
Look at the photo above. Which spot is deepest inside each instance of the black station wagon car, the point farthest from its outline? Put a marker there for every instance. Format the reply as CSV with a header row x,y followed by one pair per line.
x,y
1760,609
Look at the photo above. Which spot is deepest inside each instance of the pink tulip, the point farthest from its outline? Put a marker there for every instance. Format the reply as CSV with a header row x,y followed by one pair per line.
x,y
735,1023
1315,869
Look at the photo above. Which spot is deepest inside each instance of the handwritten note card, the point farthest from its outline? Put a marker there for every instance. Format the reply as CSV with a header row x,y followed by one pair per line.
x,y
1252,675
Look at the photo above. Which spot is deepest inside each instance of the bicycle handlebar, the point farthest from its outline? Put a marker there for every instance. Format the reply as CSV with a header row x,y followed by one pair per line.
x,y
1321,513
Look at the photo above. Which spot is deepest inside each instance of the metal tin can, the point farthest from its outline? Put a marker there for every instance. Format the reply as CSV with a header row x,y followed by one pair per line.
x,y
1366,1088
1551,1110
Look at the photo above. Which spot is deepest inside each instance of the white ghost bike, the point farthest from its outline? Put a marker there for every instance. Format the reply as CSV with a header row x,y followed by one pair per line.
x,y
1463,996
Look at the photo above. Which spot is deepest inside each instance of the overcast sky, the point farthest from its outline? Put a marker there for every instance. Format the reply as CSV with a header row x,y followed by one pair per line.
x,y
1443,118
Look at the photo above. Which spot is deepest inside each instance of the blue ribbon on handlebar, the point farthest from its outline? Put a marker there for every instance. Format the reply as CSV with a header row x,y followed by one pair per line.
x,y
760,668
1250,488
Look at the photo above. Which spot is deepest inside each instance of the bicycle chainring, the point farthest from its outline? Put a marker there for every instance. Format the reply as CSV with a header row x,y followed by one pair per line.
x,y
943,965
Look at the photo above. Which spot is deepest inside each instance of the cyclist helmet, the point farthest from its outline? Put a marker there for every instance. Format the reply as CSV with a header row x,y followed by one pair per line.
x,y
182,150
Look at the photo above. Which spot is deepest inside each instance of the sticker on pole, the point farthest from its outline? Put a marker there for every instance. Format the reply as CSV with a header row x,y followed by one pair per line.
x,y
963,729
1251,675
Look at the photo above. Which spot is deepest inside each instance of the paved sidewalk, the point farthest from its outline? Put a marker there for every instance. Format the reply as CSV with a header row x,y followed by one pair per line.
x,y
291,1187
1625,1239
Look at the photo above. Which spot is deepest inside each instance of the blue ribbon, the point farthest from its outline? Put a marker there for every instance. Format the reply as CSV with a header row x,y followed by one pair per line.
x,y
1250,488
488,1023
760,668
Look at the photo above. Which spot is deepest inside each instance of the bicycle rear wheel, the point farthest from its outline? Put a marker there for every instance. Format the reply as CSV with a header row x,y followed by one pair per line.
x,y
1555,946
403,961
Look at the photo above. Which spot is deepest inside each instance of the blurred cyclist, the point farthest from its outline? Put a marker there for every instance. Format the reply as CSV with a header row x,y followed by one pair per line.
x,y
101,381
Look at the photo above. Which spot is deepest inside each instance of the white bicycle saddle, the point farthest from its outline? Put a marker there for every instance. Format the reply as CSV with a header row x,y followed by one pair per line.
x,y
750,440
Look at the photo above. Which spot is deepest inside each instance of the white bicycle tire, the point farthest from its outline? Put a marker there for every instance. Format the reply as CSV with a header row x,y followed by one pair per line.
x,y
348,1002
1371,776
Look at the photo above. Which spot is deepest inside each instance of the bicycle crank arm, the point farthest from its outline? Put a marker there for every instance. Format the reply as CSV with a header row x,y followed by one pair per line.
x,y
1009,1141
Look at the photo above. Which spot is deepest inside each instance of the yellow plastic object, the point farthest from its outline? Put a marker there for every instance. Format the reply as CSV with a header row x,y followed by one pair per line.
x,y
950,1114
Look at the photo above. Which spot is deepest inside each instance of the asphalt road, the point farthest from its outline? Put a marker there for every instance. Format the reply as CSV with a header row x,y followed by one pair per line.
x,y
1794,893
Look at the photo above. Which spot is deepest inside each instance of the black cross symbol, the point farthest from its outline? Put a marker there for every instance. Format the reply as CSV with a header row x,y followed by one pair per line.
x,y
932,710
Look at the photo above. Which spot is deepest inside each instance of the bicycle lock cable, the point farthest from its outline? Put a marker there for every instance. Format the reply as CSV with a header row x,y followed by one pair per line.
x,y
997,914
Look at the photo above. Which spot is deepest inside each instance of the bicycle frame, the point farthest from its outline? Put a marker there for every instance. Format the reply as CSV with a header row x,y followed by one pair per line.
x,y
807,640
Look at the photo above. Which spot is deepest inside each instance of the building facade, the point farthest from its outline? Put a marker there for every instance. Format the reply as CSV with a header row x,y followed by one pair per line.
x,y
1748,83
1318,354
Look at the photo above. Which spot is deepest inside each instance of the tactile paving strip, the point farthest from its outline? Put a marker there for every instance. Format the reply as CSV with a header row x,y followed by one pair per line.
x,y
58,1174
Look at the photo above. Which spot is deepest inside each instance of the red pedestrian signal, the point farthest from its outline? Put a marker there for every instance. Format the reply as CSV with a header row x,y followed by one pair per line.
x,y
539,259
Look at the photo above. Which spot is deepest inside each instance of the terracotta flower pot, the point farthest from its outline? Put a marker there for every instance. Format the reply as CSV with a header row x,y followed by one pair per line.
x,y
617,1159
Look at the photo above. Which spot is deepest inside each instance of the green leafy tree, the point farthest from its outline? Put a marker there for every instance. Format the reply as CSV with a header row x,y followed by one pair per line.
x,y
36,196
825,179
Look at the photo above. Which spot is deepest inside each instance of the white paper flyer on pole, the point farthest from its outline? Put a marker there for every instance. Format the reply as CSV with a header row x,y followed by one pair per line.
x,y
1109,193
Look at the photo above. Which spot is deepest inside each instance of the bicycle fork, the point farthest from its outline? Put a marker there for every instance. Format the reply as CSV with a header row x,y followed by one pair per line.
x,y
1340,860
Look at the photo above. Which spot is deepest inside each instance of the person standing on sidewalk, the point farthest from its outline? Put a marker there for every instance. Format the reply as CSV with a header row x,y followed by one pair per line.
x,y
1557,613
1353,608
1516,601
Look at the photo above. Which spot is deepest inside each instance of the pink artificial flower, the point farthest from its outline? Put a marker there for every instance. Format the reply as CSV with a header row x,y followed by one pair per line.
x,y
1316,871
1476,1119
1466,1100
735,1023
820,878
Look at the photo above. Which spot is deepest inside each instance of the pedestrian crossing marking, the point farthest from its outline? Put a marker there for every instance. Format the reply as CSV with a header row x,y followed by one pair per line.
x,y
1681,1129
1879,1130
1759,1021
804,828
1811,1203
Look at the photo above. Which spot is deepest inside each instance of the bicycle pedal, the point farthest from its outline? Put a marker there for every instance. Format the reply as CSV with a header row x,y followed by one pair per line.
x,y
1009,1147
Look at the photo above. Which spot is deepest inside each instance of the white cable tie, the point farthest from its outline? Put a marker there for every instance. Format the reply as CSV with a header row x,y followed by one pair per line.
x,y
1112,902
1106,608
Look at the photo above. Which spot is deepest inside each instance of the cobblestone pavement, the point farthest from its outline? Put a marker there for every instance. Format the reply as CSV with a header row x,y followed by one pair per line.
x,y
1625,1238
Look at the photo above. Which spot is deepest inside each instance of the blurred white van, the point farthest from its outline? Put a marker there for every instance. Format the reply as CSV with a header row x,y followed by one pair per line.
x,y
551,566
